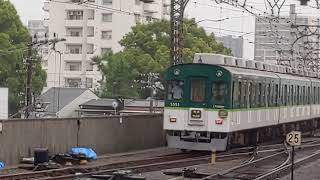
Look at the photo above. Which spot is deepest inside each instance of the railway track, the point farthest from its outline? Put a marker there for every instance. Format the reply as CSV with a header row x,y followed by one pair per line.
x,y
136,166
163,162
269,167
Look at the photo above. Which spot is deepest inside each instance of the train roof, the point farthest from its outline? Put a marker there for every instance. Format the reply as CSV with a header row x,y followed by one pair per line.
x,y
256,68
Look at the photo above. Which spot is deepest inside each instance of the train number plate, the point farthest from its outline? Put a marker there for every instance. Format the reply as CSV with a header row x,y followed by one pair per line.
x,y
196,114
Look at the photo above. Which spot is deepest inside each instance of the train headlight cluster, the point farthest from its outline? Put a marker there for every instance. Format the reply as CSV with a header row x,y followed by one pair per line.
x,y
173,119
219,121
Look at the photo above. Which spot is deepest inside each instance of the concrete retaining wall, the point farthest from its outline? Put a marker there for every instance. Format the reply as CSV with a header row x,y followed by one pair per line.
x,y
18,138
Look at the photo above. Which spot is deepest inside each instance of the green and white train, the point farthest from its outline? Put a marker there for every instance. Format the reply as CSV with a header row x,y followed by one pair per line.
x,y
218,102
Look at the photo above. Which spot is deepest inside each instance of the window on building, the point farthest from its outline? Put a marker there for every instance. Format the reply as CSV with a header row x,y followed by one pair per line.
x,y
198,90
73,66
137,18
89,66
106,34
73,82
74,32
107,17
74,49
107,2
75,15
90,31
105,50
89,82
149,18
91,14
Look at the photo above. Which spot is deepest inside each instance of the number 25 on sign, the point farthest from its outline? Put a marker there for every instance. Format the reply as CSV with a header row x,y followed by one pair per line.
x,y
294,138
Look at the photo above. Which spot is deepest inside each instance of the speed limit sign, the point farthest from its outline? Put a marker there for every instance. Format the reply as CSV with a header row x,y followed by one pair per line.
x,y
294,138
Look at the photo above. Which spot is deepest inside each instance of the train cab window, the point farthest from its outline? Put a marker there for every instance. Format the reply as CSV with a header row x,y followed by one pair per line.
x,y
219,93
198,90
175,90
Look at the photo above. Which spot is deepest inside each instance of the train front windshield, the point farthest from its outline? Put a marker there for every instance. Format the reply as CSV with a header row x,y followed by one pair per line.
x,y
175,90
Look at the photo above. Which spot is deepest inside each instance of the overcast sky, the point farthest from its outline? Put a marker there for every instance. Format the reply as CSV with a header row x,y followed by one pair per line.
x,y
29,9
238,22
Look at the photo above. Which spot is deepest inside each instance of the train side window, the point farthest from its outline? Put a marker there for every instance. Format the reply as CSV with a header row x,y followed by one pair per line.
x,y
235,94
271,95
253,95
268,96
175,90
298,95
276,94
303,95
263,95
308,95
259,95
198,90
314,96
249,94
219,93
318,95
243,101
240,94
292,96
281,95
285,100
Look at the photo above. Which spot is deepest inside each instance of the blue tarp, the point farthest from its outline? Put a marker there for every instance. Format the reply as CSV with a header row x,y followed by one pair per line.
x,y
87,152
1,165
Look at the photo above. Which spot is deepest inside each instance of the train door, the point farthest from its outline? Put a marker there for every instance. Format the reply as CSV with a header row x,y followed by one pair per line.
x,y
199,101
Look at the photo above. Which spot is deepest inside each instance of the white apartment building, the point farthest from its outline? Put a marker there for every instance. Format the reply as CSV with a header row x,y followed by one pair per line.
x,y
92,27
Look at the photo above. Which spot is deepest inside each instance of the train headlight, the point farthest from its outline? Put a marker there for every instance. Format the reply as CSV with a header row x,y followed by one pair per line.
x,y
219,121
173,119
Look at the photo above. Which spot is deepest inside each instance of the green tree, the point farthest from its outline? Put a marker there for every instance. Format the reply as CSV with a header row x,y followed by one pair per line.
x,y
147,49
14,38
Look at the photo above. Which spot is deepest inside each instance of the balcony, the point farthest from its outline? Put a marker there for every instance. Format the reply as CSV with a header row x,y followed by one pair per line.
x,y
151,7
73,23
72,57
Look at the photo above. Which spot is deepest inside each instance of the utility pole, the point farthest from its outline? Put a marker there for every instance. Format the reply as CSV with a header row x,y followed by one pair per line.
x,y
29,72
29,64
176,23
